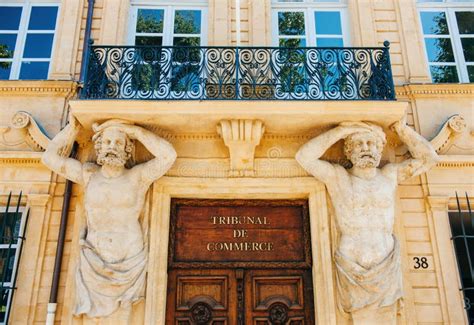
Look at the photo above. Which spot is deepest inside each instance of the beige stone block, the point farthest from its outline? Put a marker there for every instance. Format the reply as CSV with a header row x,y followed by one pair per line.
x,y
396,58
412,181
382,5
388,36
428,313
53,233
398,70
414,219
419,248
386,26
426,295
385,15
417,234
423,279
40,314
43,294
410,191
413,205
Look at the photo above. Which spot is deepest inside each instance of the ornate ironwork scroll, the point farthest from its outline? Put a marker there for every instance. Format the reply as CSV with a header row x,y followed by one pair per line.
x,y
231,73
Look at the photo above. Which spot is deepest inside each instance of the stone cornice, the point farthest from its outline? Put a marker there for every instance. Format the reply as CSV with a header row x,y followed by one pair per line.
x,y
58,88
434,90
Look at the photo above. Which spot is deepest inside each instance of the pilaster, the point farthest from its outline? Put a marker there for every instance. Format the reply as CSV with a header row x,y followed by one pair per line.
x,y
31,260
448,267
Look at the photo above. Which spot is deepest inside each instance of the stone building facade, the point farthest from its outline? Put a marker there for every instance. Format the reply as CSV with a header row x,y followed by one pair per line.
x,y
231,147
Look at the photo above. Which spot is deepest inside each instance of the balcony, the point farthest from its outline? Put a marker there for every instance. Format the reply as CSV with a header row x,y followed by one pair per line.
x,y
238,73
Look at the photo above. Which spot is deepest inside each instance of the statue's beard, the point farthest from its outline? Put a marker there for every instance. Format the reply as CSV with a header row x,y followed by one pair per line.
x,y
112,158
366,160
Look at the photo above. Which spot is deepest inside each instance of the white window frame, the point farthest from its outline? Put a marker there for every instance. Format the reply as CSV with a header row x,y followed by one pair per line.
x,y
22,32
168,19
449,8
21,233
309,7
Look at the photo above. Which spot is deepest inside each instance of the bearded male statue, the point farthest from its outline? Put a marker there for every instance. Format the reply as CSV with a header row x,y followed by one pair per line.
x,y
367,257
113,252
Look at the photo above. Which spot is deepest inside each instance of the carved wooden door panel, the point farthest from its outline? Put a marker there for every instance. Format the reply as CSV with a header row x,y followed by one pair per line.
x,y
257,297
201,297
278,297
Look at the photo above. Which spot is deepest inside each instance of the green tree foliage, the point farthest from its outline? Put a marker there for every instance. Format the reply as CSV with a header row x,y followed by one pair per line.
x,y
5,53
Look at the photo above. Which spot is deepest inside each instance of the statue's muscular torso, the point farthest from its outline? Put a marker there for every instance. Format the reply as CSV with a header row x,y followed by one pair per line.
x,y
113,207
364,211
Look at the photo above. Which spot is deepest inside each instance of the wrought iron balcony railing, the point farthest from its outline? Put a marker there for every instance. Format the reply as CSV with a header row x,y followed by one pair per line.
x,y
231,73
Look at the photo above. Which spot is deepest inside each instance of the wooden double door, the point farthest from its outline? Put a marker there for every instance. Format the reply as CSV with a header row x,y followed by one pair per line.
x,y
239,262
240,296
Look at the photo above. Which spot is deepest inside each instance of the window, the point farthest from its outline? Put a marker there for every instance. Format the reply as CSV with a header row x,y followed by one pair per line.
x,y
168,25
26,40
12,228
308,23
300,23
448,32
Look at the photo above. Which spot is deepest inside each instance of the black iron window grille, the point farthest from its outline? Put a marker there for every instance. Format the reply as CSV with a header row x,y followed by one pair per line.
x,y
13,221
462,229
232,73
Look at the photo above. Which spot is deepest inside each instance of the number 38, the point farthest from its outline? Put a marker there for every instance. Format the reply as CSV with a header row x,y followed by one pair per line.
x,y
420,262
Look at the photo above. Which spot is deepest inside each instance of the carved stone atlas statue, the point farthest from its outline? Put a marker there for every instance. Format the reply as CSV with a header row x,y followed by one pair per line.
x,y
367,257
113,251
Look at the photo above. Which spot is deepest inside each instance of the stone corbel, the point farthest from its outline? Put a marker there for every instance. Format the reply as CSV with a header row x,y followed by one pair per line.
x,y
241,137
451,130
34,136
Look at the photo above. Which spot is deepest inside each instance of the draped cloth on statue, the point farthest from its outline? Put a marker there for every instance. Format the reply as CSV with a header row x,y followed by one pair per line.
x,y
378,286
103,287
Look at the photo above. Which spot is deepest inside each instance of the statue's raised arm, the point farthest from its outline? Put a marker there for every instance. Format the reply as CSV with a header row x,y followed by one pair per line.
x,y
53,157
423,155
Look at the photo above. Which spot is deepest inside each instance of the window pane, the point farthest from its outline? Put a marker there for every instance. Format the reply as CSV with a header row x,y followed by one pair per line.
x,y
444,74
291,23
10,18
4,295
465,21
470,72
5,68
43,18
468,49
38,46
328,22
150,21
434,23
148,40
292,42
187,22
34,70
7,45
439,50
7,261
186,41
11,227
329,42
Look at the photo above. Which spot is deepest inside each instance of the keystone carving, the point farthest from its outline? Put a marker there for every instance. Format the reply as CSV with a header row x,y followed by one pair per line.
x,y
241,137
